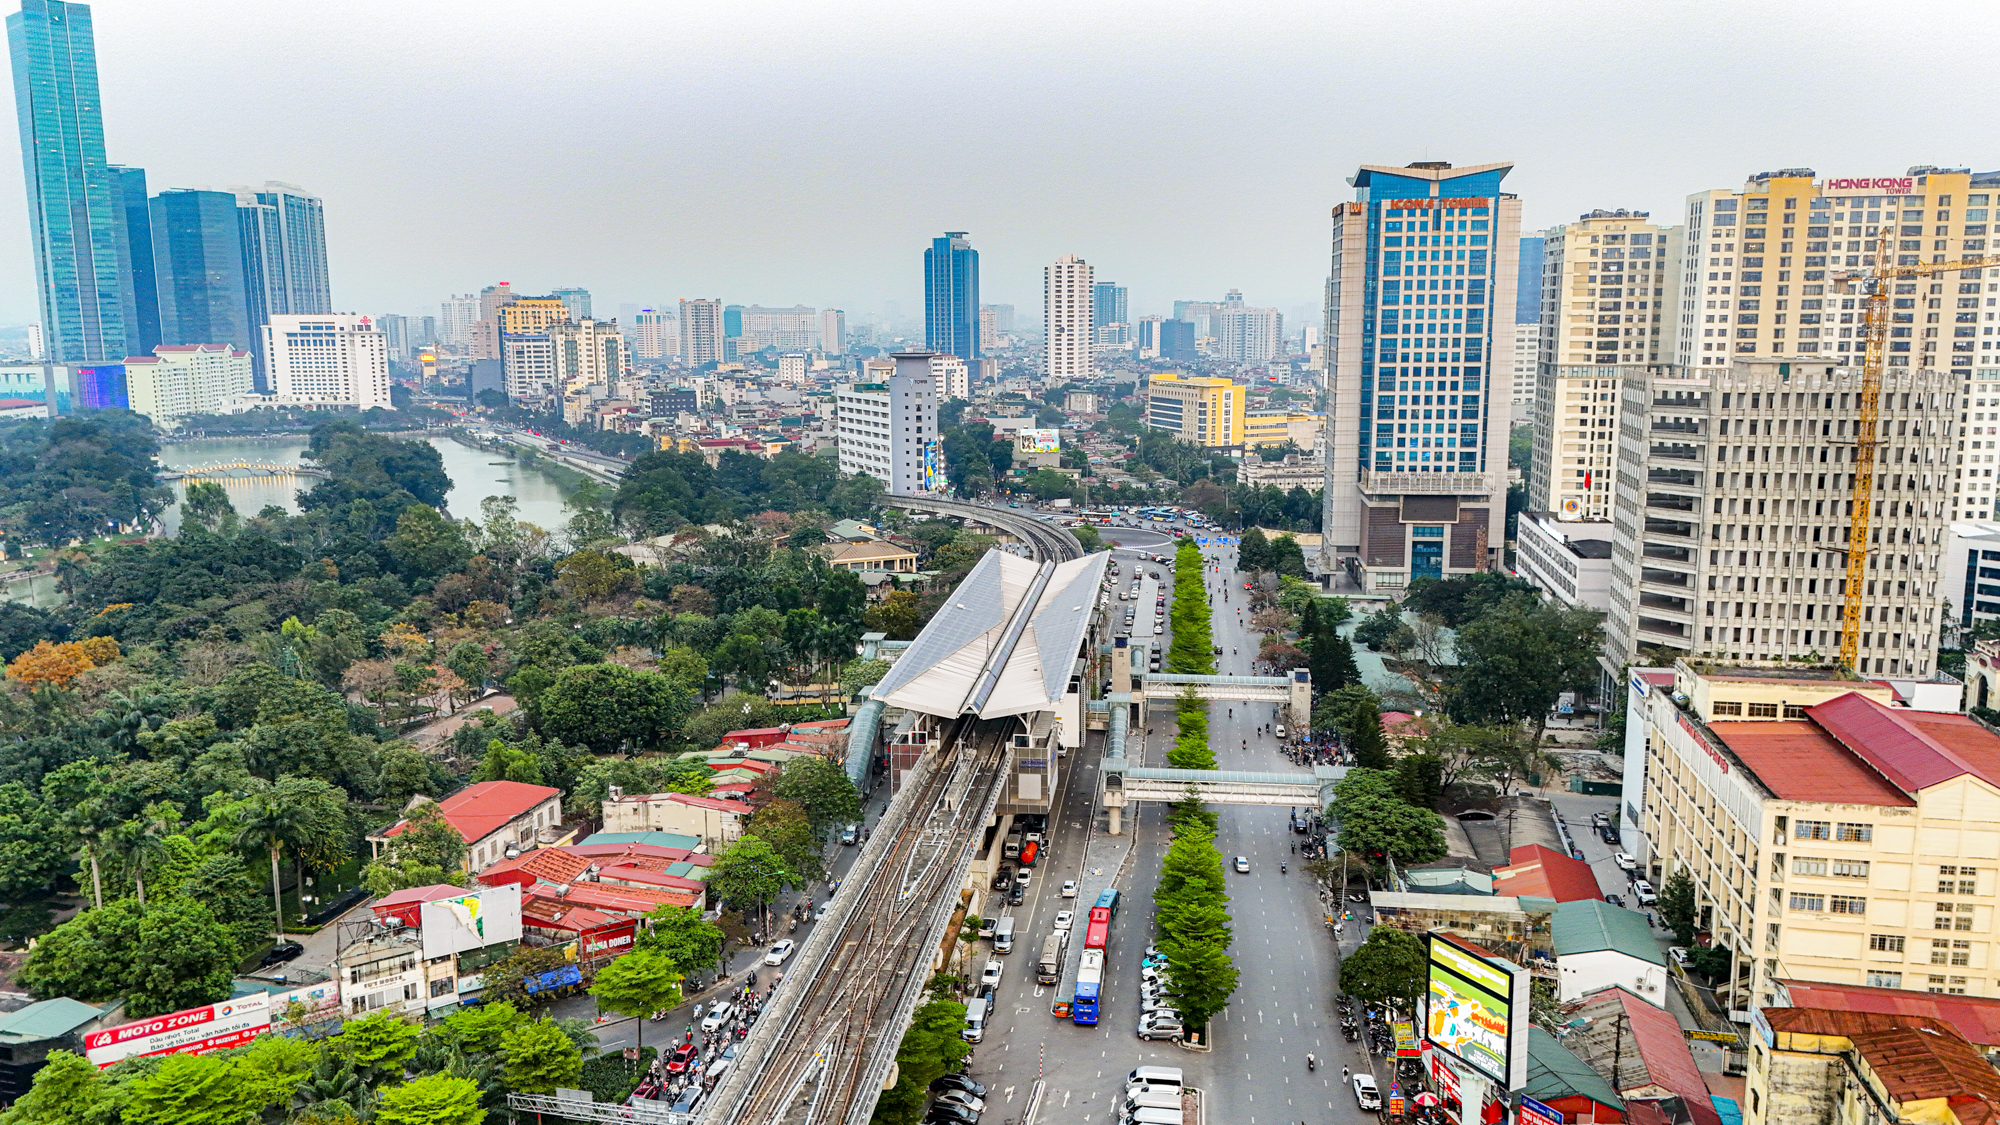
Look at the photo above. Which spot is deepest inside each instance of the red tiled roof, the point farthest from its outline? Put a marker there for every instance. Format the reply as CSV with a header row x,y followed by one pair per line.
x,y
724,765
711,803
478,811
1663,1052
631,901
1917,1058
1914,749
1975,1017
1799,761
420,895
649,877
559,914
1545,873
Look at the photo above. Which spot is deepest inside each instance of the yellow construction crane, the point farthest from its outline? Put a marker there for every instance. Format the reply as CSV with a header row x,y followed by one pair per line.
x,y
1868,438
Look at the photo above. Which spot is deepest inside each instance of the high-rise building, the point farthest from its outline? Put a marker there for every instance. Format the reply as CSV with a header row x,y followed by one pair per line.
x,y
1202,411
1148,337
1107,304
795,329
76,210
1003,318
1603,278
589,353
1528,286
456,316
1527,342
1735,547
1177,341
951,296
395,329
1423,261
284,244
529,366
198,258
532,314
651,330
792,368
180,380
1249,335
832,332
954,378
486,330
889,430
701,331
337,359
989,338
577,301
1068,352
135,259
732,322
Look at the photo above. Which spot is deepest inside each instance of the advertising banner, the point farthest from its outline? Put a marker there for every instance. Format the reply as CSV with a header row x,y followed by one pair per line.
x,y
211,1027
471,921
1535,1113
1406,1039
1470,1010
1038,441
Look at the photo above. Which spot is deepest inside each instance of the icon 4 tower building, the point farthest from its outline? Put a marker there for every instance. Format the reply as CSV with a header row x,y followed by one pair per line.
x,y
1424,264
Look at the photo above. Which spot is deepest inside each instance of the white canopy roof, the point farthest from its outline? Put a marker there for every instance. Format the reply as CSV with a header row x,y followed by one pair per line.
x,y
1005,642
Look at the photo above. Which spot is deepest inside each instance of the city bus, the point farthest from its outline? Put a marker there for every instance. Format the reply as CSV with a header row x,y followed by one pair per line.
x,y
1089,978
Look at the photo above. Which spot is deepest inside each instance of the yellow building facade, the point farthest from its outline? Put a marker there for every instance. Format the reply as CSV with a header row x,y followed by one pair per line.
x,y
1201,410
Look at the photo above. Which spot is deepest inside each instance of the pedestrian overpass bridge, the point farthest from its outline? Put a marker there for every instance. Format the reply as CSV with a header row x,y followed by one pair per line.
x,y
1163,689
1125,783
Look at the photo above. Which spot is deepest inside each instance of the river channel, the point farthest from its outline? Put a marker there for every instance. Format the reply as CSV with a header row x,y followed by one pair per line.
x,y
475,474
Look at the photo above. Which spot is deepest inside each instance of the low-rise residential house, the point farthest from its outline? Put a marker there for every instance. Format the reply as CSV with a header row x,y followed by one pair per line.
x,y
717,822
1598,945
878,555
384,970
493,817
1567,1084
1639,1048
28,1034
1820,1066
1545,873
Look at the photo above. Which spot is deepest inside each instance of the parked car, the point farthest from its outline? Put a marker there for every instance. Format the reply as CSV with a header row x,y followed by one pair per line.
x,y
1069,888
283,952
1642,893
945,1113
1678,953
957,1081
780,951
1003,878
1278,729
1022,876
989,977
1365,1093
962,1098
1609,834
1243,865
1615,899
1624,862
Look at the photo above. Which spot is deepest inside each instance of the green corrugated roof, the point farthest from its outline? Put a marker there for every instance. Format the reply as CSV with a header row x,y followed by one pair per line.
x,y
46,1019
1589,925
658,839
1555,1073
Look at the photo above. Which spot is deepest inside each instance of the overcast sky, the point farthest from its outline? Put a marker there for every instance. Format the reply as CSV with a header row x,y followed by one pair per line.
x,y
779,153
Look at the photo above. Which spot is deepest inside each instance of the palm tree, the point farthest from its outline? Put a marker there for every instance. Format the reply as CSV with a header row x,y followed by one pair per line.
x,y
92,821
142,841
270,819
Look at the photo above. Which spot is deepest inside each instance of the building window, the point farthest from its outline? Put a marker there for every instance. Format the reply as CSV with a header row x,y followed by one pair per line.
x,y
1885,980
1763,710
1958,880
1851,868
1813,830
1727,708
1855,833
1849,904
1807,865
1815,904
1943,919
1963,919
1961,953
1886,943
1940,951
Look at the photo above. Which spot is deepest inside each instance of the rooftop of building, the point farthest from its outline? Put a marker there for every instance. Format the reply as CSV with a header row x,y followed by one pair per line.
x,y
1593,926
1797,761
1646,1046
1916,1058
45,1019
1554,1073
1533,869
1975,1017
1816,673
480,810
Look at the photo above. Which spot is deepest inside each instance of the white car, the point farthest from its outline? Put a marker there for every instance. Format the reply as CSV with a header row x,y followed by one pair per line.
x,y
718,1015
989,977
962,1098
780,951
1643,891
1365,1093
1278,729
1064,918
1624,862
1243,865
1069,888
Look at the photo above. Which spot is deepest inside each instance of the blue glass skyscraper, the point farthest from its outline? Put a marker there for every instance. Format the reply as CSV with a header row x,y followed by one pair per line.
x,y
205,297
1425,259
74,214
951,296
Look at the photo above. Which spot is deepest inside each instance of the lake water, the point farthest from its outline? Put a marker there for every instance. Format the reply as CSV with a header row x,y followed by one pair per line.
x,y
473,472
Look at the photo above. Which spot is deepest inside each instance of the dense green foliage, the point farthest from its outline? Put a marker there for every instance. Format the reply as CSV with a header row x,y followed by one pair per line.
x,y
1190,652
930,1049
1377,825
1389,968
77,477
1191,906
663,492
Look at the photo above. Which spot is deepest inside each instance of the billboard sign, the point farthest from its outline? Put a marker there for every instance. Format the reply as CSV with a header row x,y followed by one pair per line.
x,y
471,921
1038,441
1535,1113
1470,1006
1406,1040
196,1031
933,466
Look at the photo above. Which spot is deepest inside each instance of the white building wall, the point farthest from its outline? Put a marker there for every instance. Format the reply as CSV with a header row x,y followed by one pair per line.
x,y
199,379
1067,352
1578,973
336,359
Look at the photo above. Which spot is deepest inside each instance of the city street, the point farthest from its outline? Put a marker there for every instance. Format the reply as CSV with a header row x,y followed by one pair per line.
x,y
1255,1071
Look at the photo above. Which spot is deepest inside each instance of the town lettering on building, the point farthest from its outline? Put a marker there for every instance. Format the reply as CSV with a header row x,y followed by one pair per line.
x,y
1888,185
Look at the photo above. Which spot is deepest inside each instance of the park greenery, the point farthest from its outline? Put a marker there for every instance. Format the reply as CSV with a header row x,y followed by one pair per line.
x,y
931,1048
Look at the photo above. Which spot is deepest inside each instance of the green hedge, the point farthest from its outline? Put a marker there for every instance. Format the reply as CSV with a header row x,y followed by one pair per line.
x,y
609,1078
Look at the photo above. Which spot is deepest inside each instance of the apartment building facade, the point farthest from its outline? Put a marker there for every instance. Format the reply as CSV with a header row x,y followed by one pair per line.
x,y
338,359
1730,538
1832,833
1605,280
889,430
179,380
1068,303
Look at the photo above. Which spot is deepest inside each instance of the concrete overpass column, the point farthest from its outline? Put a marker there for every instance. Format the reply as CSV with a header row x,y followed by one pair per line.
x,y
1302,698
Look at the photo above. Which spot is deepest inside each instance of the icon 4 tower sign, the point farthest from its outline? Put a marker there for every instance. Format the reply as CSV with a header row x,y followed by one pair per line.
x,y
1476,1010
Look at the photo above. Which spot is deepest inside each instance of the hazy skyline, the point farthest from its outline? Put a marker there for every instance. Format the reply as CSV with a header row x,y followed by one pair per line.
x,y
772,153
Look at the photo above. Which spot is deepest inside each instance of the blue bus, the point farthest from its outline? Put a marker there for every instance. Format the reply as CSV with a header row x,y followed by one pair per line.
x,y
1108,900
1089,979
